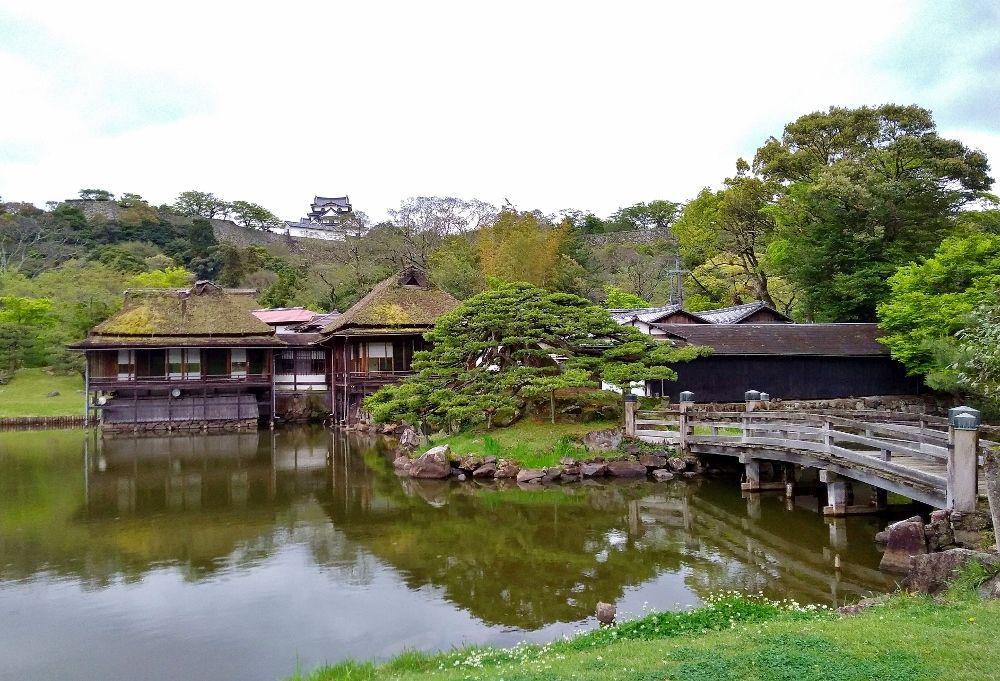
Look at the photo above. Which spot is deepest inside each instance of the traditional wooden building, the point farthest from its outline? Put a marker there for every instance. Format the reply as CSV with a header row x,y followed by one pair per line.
x,y
788,361
180,358
373,342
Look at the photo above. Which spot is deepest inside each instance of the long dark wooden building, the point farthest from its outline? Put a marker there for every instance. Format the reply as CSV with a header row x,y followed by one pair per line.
x,y
788,361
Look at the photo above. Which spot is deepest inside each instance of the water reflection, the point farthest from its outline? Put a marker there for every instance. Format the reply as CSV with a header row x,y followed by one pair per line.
x,y
210,541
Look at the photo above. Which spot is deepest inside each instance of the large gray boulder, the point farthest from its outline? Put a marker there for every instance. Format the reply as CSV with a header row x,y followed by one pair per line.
x,y
507,469
653,461
432,464
626,469
603,440
906,539
408,439
530,475
931,573
486,471
593,470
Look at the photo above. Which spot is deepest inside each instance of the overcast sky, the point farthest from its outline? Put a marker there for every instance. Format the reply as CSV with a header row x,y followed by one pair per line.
x,y
551,105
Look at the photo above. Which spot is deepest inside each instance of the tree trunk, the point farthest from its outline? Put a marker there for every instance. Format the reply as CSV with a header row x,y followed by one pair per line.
x,y
552,406
991,471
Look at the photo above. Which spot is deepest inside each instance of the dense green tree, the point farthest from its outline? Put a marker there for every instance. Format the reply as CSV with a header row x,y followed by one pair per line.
x,y
454,267
930,302
658,214
978,366
201,204
513,342
723,236
96,195
617,299
867,190
253,215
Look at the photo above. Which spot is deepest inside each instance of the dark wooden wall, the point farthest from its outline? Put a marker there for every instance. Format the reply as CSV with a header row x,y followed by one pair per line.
x,y
726,378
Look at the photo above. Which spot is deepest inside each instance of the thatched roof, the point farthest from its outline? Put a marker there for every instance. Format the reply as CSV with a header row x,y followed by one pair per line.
x,y
405,300
205,313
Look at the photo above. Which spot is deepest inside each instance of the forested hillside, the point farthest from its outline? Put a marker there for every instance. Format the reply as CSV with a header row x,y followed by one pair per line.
x,y
860,214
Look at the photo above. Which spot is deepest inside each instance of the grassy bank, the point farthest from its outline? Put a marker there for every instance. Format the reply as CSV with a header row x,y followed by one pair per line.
x,y
26,394
533,443
906,638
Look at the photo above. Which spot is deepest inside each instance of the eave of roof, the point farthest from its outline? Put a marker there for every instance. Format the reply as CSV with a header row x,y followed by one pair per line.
x,y
827,340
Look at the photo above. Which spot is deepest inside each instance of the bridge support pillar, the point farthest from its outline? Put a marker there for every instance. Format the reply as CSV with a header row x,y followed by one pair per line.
x,y
838,493
753,482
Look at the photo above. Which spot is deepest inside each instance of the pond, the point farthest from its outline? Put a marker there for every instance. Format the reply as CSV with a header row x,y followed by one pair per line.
x,y
247,556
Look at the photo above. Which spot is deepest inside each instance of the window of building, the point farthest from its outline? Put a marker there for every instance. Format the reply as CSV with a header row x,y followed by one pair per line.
x,y
124,365
238,363
176,362
193,359
317,362
380,356
284,362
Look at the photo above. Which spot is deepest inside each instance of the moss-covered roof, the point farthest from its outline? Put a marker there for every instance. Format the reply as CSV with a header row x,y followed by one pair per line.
x,y
205,310
404,300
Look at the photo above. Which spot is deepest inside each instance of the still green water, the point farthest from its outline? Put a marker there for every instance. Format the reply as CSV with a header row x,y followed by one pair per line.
x,y
243,556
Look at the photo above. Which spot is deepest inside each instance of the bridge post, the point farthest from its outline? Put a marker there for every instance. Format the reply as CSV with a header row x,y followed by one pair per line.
x,y
963,459
683,425
837,493
752,398
631,406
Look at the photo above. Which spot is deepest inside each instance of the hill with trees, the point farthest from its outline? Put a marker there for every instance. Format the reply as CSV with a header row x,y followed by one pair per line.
x,y
863,214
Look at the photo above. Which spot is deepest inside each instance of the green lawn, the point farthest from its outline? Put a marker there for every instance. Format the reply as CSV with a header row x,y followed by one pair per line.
x,y
25,394
533,443
909,638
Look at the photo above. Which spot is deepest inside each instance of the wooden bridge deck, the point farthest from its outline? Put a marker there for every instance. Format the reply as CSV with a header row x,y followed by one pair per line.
x,y
902,453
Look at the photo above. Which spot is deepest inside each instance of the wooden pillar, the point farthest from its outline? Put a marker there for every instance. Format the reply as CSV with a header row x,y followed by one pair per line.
x,y
631,406
753,475
963,459
86,391
683,421
837,493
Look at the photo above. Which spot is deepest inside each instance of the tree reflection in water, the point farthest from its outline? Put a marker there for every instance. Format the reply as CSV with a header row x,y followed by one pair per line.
x,y
210,505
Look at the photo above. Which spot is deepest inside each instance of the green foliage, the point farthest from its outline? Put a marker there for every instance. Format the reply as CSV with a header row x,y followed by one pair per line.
x,y
978,369
121,260
657,214
512,342
253,215
617,299
201,204
931,301
867,190
171,277
454,267
96,195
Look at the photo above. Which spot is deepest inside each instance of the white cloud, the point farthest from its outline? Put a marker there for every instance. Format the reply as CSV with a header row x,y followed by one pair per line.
x,y
551,105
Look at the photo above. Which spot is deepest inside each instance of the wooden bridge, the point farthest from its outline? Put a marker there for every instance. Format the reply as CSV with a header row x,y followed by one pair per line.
x,y
921,457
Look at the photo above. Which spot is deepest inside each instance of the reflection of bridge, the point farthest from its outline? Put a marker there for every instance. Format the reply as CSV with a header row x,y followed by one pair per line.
x,y
922,457
762,547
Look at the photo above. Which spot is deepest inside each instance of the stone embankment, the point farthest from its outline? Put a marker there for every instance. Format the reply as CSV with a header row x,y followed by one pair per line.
x,y
931,555
439,463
